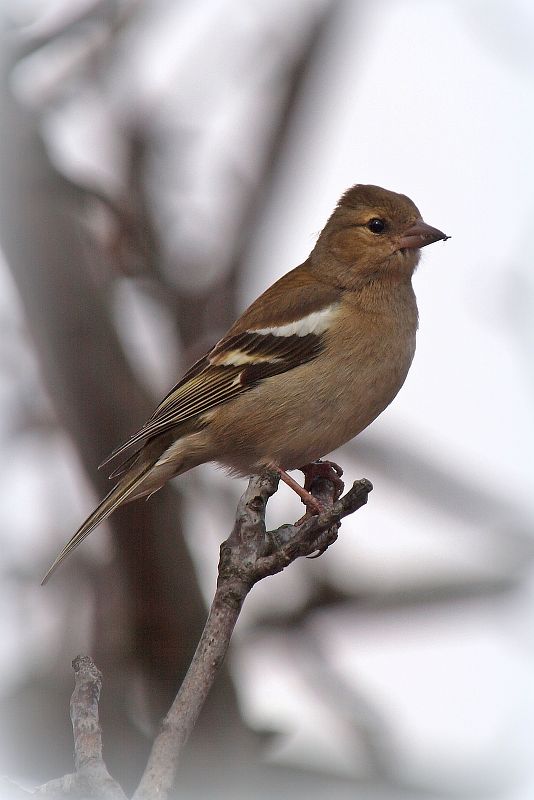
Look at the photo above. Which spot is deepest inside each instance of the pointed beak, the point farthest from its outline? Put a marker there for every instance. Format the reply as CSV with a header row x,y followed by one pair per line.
x,y
419,235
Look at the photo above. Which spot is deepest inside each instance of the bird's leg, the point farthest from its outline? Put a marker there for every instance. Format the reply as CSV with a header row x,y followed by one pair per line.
x,y
311,503
323,469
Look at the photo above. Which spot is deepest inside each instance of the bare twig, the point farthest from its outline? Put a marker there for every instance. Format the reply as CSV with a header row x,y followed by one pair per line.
x,y
249,554
91,778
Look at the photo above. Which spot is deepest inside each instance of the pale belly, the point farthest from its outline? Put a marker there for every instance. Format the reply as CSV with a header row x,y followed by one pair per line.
x,y
285,422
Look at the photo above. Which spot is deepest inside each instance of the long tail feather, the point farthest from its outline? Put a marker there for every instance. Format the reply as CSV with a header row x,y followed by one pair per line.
x,y
118,495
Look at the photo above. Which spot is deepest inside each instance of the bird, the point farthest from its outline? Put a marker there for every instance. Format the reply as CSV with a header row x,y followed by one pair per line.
x,y
310,364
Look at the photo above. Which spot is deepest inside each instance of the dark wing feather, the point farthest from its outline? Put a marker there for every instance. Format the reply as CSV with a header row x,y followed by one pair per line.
x,y
235,365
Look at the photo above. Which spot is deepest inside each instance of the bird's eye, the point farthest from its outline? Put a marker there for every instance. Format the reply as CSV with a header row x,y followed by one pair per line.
x,y
376,225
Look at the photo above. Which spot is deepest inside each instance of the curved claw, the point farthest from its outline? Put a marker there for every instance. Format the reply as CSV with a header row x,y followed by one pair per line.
x,y
322,549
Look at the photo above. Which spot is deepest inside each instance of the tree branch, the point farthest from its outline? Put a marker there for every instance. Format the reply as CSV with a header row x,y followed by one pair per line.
x,y
249,554
91,778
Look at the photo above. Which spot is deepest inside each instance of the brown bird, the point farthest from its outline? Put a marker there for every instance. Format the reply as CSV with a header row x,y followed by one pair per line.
x,y
315,359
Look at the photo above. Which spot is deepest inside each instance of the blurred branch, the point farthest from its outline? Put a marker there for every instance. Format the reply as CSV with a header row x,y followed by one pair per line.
x,y
452,493
360,603
360,714
137,247
53,24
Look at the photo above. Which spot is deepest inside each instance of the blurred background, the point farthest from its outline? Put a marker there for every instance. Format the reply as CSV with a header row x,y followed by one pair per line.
x,y
161,163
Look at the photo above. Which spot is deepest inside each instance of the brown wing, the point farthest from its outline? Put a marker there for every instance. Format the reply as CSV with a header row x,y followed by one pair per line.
x,y
234,366
251,351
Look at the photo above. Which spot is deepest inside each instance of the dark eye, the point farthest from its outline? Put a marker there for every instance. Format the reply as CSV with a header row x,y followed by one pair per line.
x,y
376,225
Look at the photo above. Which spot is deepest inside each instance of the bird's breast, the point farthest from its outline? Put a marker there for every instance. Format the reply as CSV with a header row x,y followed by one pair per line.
x,y
303,414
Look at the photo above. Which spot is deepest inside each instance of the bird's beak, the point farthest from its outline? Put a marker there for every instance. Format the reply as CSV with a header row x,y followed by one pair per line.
x,y
419,235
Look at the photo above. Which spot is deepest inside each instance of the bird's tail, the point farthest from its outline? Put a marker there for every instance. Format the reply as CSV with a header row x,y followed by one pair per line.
x,y
119,494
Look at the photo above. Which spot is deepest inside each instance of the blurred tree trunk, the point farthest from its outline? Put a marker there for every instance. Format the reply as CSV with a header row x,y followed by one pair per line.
x,y
99,402
93,389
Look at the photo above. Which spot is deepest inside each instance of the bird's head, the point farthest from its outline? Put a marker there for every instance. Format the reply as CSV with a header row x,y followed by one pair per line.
x,y
372,230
